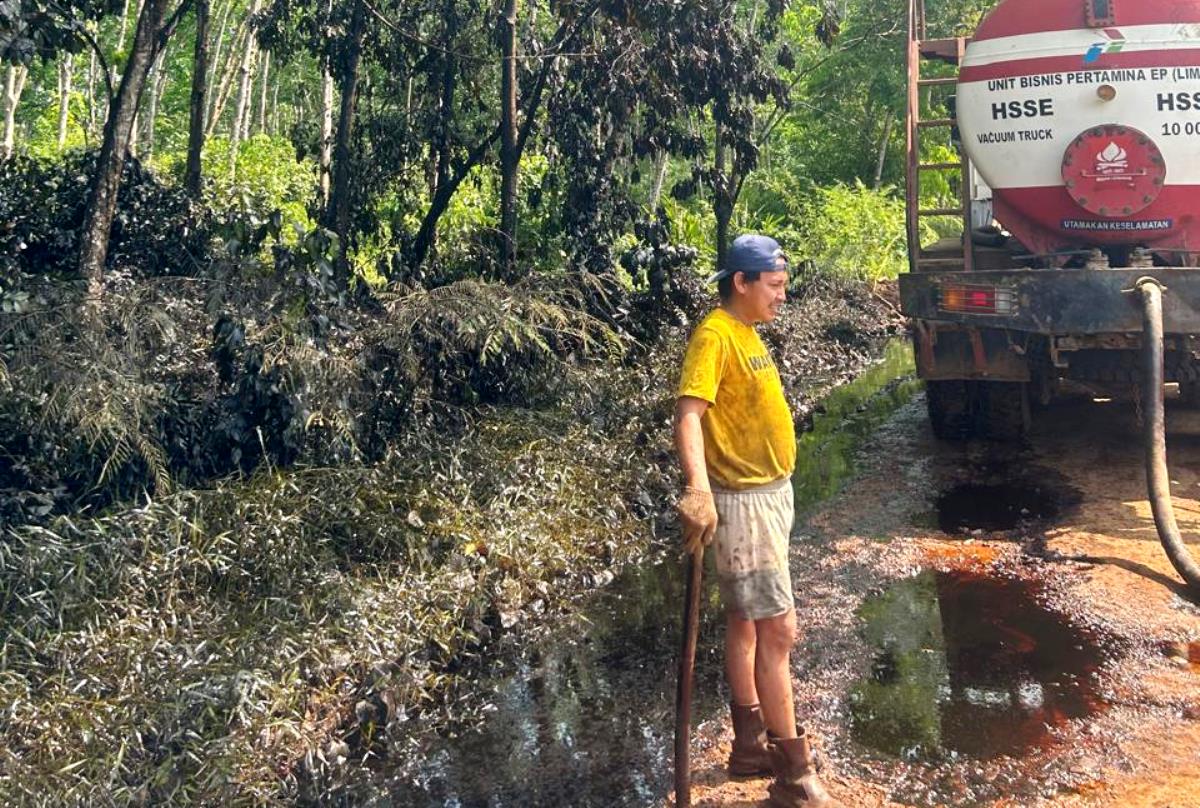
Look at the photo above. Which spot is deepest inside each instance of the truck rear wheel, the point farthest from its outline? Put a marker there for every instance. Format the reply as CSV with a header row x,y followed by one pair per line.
x,y
1002,410
960,409
949,404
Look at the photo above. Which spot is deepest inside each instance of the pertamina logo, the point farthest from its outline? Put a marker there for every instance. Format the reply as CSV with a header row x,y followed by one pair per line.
x,y
1114,44
1112,164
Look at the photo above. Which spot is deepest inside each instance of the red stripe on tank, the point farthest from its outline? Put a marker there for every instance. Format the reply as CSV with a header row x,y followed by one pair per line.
x,y
1075,64
1035,217
1015,17
1046,209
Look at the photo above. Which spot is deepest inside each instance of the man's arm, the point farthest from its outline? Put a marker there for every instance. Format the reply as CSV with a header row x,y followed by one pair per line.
x,y
697,512
689,441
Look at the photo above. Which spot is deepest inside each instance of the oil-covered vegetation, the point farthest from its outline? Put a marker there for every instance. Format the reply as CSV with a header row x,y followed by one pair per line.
x,y
337,339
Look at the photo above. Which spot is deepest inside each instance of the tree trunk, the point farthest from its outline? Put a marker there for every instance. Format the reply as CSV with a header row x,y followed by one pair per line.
x,y
509,158
193,176
102,197
408,114
245,101
448,184
338,215
14,86
325,159
325,119
408,102
888,123
427,233
661,160
135,131
214,60
440,149
245,88
223,90
66,71
722,198
157,86
124,25
113,76
264,92
91,98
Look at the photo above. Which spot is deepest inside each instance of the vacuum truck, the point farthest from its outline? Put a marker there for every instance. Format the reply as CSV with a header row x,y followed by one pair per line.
x,y
1077,128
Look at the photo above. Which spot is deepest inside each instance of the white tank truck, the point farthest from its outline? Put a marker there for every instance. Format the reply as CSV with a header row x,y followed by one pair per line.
x,y
1078,127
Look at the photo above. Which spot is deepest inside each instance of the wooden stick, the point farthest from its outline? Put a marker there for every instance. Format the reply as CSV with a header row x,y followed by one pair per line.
x,y
683,690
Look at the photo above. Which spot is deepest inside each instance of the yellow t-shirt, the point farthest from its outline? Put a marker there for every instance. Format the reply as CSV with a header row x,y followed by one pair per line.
x,y
749,438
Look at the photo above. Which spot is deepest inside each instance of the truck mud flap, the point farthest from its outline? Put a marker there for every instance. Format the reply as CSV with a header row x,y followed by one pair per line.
x,y
949,351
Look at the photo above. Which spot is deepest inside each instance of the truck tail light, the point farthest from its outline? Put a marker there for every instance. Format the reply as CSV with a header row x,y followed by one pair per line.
x,y
964,298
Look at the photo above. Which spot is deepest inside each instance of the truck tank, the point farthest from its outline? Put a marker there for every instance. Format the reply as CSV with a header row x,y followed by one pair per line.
x,y
1084,118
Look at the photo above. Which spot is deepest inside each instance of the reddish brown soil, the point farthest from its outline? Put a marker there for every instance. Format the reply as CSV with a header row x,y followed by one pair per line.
x,y
1102,566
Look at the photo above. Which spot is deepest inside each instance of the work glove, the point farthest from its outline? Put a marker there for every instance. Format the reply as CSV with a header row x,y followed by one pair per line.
x,y
698,516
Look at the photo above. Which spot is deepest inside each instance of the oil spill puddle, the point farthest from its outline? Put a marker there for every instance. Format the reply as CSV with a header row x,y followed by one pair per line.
x,y
997,507
583,716
968,665
997,493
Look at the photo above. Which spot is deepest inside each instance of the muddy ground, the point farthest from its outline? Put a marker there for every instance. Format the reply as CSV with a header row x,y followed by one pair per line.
x,y
1102,704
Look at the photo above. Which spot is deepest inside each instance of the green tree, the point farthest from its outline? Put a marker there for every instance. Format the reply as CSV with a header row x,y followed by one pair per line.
x,y
154,28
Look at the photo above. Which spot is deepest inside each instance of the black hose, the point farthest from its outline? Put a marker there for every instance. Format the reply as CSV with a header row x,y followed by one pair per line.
x,y
1157,477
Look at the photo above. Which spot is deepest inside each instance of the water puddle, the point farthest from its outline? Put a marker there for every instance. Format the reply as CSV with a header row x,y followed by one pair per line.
x,y
825,453
994,507
584,717
968,665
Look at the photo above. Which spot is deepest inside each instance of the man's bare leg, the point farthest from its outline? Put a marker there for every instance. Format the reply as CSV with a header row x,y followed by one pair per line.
x,y
740,644
773,674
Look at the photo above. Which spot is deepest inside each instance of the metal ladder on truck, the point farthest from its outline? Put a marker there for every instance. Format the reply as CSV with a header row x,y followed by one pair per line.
x,y
947,51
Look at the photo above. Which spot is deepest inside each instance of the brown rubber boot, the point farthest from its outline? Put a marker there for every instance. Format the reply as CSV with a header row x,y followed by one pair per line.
x,y
750,756
797,784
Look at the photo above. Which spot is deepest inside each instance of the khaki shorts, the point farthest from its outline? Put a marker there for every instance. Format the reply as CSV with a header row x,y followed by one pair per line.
x,y
751,543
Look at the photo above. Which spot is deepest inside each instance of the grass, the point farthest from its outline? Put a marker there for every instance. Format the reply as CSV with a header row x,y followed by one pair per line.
x,y
211,647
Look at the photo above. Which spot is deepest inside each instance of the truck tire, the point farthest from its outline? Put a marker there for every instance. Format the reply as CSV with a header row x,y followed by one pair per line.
x,y
949,404
1002,410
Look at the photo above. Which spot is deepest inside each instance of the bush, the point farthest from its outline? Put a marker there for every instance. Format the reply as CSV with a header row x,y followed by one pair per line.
x,y
668,290
473,342
157,229
185,381
268,178
853,231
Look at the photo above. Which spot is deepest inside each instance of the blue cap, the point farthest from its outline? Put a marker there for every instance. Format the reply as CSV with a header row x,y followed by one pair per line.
x,y
751,253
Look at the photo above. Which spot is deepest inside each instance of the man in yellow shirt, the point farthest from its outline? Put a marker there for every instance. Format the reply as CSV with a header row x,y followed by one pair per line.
x,y
737,446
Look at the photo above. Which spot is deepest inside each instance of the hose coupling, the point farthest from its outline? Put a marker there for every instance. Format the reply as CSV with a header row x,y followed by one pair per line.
x,y
1142,281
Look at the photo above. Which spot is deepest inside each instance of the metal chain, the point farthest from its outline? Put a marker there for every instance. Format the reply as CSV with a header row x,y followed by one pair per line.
x,y
1137,405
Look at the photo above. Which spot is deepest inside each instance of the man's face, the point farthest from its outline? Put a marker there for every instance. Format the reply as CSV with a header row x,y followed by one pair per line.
x,y
765,297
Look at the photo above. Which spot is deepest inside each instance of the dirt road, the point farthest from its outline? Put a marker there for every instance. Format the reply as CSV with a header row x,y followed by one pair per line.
x,y
994,626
